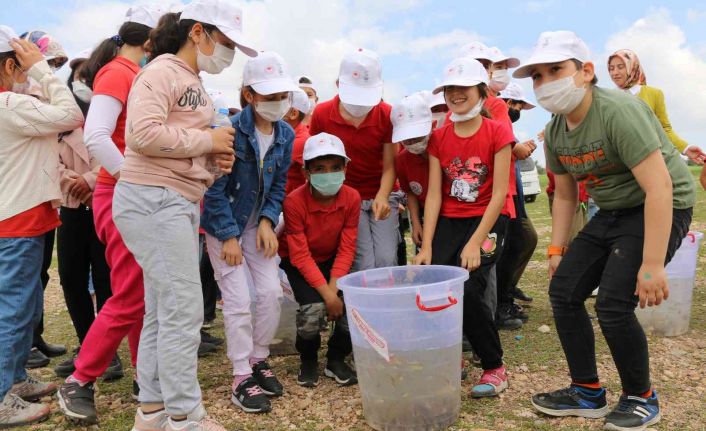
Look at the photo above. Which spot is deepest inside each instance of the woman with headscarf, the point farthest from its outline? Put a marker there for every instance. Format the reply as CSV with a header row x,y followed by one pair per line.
x,y
627,73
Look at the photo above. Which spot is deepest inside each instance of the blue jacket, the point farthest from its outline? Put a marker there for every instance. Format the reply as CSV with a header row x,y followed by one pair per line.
x,y
232,198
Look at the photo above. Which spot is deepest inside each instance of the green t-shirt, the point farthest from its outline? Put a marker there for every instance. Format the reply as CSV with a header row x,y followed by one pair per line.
x,y
618,133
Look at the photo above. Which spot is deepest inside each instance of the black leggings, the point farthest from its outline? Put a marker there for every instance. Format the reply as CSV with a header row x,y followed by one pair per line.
x,y
607,253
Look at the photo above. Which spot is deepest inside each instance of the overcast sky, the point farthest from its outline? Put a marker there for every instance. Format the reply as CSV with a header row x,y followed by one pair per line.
x,y
417,38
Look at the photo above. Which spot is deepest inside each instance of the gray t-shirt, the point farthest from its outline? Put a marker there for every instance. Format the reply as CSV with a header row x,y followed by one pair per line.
x,y
264,143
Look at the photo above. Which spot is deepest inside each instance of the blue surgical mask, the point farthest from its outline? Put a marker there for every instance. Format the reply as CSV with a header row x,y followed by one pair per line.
x,y
143,61
327,184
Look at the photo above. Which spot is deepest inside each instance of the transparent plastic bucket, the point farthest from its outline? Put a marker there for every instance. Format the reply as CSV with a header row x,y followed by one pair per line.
x,y
406,325
671,318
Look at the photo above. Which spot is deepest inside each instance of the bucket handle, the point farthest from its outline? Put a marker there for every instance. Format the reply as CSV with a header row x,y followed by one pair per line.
x,y
692,236
422,307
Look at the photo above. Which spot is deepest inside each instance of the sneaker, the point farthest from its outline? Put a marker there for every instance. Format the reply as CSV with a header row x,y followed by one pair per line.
x,y
308,374
114,370
340,372
518,294
36,359
32,389
266,379
517,312
67,366
150,422
219,304
572,401
208,338
250,397
475,360
50,350
205,424
135,390
78,402
633,413
491,383
15,412
505,320
207,324
206,349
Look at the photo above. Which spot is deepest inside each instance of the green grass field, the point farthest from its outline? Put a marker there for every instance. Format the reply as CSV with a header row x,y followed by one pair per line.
x,y
535,361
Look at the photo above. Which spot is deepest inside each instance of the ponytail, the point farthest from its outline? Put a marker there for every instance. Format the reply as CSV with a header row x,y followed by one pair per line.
x,y
243,102
172,33
130,33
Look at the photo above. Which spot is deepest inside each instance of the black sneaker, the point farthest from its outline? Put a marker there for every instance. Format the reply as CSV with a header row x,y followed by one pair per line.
x,y
114,370
135,390
67,366
266,379
572,401
518,294
308,374
341,373
50,350
517,312
633,413
36,359
206,349
208,338
505,319
77,402
250,397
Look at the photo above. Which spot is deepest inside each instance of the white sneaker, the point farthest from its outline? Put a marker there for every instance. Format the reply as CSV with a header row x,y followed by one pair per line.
x,y
205,424
150,422
14,412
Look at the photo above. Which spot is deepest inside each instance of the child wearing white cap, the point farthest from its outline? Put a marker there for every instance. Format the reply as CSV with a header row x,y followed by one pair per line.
x,y
614,143
307,85
296,116
240,213
315,258
29,196
172,157
467,207
359,117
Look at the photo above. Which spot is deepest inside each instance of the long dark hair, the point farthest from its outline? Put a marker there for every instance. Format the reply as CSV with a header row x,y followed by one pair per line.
x,y
130,33
70,83
172,33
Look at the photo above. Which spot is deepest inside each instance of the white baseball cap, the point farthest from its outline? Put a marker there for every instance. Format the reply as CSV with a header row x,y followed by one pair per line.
x,y
555,47
300,101
81,56
324,144
360,78
437,100
514,91
498,56
225,15
477,50
464,72
6,35
309,84
267,74
411,118
145,15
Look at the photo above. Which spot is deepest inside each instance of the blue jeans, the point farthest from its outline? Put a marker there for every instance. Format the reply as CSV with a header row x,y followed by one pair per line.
x,y
21,303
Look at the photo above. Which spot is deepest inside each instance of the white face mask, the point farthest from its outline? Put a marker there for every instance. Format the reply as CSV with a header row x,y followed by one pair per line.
x,y
82,91
21,88
500,80
439,117
273,111
473,113
561,96
357,111
214,64
418,147
312,105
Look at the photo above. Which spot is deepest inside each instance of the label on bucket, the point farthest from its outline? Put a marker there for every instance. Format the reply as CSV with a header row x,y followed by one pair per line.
x,y
372,337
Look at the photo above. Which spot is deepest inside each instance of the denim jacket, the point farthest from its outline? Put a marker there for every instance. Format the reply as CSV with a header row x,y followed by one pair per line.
x,y
232,198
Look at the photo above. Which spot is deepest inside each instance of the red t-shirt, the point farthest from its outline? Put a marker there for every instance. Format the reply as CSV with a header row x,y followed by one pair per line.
x,y
295,176
413,174
33,222
364,145
467,168
307,243
583,194
115,80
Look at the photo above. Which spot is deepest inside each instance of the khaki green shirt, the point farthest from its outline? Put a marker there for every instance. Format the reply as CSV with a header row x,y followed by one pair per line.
x,y
618,133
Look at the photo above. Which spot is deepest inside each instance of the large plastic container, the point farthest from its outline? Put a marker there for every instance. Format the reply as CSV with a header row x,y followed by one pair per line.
x,y
286,336
405,325
671,318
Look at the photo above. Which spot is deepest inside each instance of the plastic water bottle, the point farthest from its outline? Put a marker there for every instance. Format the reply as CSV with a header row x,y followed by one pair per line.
x,y
220,119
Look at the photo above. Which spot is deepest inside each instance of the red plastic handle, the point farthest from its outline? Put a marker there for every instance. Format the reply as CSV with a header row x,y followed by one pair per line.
x,y
692,236
452,301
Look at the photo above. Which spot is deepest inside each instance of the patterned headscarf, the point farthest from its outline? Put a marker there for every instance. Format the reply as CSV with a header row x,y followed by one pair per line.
x,y
636,76
48,46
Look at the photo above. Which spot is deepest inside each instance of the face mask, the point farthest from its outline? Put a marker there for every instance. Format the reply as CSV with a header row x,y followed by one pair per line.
x,y
473,113
357,111
82,91
514,114
221,58
312,105
418,147
500,80
561,96
327,184
273,111
143,61
20,88
439,117
53,69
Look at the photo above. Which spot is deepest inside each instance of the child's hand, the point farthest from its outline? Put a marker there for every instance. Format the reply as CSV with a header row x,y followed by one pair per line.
x,y
27,53
334,306
702,179
266,238
231,252
695,154
417,232
80,189
224,162
553,265
222,138
423,257
381,208
470,256
652,287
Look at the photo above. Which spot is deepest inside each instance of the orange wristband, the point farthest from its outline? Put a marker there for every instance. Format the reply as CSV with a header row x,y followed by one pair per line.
x,y
555,250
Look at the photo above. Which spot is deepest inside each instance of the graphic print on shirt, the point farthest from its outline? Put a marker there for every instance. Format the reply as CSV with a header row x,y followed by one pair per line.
x,y
584,162
193,98
466,178
416,188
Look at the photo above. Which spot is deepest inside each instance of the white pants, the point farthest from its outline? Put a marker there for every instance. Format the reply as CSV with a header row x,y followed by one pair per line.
x,y
247,337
